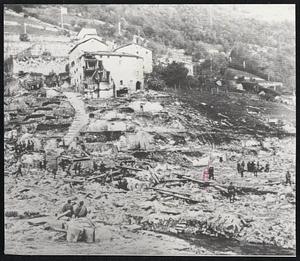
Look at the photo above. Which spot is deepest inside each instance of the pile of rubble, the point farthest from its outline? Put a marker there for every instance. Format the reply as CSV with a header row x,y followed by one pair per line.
x,y
142,160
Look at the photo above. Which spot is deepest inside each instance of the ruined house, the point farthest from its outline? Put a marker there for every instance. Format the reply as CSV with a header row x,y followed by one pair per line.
x,y
99,73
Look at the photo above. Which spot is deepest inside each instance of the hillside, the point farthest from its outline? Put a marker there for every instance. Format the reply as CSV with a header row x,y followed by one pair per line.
x,y
267,47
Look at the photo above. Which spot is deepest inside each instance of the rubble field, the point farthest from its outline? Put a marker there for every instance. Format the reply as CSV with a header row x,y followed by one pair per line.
x,y
149,197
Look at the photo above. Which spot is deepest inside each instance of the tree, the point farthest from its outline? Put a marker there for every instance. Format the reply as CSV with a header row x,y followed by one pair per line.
x,y
175,74
16,8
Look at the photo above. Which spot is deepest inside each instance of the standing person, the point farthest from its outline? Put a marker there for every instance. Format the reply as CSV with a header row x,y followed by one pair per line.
x,y
80,210
18,172
54,172
102,167
288,178
243,165
44,162
242,170
205,175
248,166
63,165
231,192
258,166
95,166
267,168
75,168
79,168
211,173
255,169
252,166
238,167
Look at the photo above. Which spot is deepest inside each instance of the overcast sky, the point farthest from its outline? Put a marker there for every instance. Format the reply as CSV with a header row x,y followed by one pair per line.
x,y
270,12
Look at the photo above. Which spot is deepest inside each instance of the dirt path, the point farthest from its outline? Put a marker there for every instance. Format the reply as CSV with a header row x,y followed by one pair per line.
x,y
81,117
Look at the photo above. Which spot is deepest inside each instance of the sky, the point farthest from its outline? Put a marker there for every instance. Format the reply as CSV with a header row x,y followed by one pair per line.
x,y
270,12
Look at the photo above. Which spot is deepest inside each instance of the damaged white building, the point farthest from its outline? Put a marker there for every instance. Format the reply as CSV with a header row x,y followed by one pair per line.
x,y
98,72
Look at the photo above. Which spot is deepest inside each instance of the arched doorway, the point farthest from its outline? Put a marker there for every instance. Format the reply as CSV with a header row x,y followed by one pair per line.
x,y
138,85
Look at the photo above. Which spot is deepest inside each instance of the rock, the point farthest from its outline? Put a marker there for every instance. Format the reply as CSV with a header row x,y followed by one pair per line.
x,y
102,233
74,232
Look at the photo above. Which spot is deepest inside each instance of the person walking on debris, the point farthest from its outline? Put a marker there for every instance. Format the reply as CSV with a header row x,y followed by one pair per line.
x,y
211,173
68,206
288,178
80,210
231,192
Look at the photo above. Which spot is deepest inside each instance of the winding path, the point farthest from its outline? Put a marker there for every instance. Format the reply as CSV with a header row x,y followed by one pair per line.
x,y
81,117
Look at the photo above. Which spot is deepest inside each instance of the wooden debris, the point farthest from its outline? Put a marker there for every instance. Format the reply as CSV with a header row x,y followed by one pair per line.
x,y
63,214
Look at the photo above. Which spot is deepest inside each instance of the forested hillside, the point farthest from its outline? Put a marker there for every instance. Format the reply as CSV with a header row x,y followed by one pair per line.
x,y
266,47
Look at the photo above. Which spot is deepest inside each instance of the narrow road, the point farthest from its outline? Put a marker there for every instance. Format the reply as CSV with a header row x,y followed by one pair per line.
x,y
81,117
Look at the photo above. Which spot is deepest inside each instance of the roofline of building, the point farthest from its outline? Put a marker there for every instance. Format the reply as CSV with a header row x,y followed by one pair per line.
x,y
112,54
86,41
86,29
130,44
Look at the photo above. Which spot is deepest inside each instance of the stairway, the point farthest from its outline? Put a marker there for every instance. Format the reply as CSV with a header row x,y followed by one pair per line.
x,y
81,117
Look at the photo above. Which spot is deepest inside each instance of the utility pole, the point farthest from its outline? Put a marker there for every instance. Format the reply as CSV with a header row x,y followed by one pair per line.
x,y
63,11
25,25
210,16
61,20
119,28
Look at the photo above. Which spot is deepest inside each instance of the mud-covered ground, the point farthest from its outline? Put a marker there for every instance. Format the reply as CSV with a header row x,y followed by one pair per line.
x,y
143,220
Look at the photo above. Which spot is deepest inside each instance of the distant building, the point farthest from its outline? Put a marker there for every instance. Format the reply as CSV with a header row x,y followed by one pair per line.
x,y
275,86
136,49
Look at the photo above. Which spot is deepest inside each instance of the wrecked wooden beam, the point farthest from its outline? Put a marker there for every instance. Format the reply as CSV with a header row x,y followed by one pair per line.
x,y
63,214
129,168
204,183
173,192
177,196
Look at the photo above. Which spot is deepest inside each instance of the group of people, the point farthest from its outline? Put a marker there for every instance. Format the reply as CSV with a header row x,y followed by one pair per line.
x,y
252,166
77,211
24,146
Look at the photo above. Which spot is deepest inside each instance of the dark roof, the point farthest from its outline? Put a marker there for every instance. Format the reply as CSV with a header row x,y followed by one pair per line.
x,y
111,53
86,41
131,44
